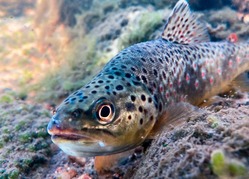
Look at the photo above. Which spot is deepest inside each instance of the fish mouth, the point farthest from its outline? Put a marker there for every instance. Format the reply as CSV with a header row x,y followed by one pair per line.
x,y
70,137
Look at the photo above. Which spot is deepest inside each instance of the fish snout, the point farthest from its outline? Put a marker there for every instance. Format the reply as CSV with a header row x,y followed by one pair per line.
x,y
54,125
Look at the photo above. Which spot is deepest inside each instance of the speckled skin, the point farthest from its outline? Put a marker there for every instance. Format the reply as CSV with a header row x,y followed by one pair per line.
x,y
172,72
139,84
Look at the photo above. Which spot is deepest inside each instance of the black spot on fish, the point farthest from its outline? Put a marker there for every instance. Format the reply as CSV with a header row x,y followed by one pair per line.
x,y
73,99
111,77
136,83
160,107
144,79
155,72
94,92
140,109
117,73
100,81
128,84
127,75
149,99
164,74
133,69
114,93
79,94
85,97
123,66
81,100
130,107
143,59
141,121
150,90
75,92
152,61
144,70
119,87
96,86
133,98
160,60
143,98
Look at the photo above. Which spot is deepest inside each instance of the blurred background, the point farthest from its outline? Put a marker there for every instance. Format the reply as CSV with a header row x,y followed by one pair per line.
x,y
48,49
51,48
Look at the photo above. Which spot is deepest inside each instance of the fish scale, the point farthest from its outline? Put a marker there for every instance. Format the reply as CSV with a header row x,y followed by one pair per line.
x,y
121,106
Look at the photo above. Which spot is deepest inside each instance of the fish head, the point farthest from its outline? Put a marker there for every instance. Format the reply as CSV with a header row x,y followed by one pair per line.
x,y
104,117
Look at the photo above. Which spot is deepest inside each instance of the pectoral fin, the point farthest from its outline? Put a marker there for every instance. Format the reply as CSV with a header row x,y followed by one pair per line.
x,y
242,82
174,116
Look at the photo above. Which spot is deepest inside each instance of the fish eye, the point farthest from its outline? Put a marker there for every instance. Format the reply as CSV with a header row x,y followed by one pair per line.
x,y
105,113
76,113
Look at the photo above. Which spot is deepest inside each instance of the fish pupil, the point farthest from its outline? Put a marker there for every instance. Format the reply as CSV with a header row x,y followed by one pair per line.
x,y
105,111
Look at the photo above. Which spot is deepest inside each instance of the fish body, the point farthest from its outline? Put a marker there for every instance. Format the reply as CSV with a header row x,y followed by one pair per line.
x,y
118,109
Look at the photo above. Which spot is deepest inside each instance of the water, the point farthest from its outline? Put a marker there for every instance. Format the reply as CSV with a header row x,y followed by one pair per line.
x,y
50,48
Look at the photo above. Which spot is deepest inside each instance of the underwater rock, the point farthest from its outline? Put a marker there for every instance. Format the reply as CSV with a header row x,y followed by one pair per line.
x,y
185,151
158,4
69,10
241,5
24,142
200,5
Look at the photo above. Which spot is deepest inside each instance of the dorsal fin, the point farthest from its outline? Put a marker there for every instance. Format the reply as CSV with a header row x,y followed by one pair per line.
x,y
183,26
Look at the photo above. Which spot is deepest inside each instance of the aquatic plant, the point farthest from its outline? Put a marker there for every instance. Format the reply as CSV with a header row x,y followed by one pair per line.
x,y
147,24
224,166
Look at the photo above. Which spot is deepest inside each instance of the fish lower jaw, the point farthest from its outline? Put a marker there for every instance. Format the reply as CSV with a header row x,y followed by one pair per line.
x,y
71,137
81,148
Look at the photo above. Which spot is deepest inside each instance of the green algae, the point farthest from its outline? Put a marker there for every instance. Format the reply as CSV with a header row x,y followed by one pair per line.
x,y
6,99
25,138
78,65
223,166
149,22
20,125
24,142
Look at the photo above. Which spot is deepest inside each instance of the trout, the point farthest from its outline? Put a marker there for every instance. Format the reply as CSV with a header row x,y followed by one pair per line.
x,y
118,109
